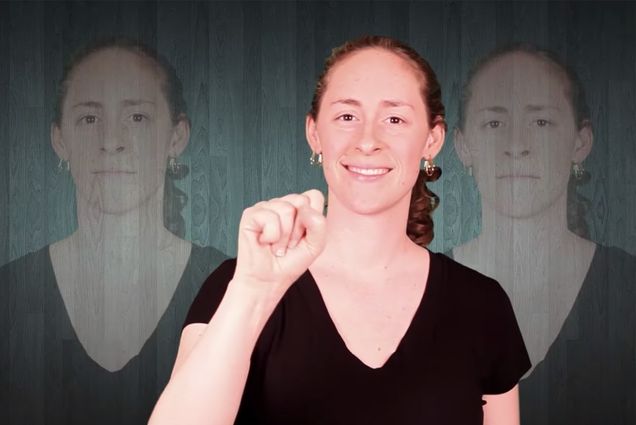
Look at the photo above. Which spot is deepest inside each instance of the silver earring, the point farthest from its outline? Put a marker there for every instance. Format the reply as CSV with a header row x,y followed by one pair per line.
x,y
315,160
577,170
175,169
469,170
63,165
432,171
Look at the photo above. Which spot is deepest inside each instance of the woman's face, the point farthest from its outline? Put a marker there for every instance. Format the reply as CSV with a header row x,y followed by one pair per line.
x,y
116,130
372,130
520,134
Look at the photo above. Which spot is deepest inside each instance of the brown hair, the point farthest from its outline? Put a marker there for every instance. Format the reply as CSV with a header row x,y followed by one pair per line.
x,y
577,204
420,222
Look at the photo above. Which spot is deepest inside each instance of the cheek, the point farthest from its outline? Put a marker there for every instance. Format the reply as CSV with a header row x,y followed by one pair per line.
x,y
335,142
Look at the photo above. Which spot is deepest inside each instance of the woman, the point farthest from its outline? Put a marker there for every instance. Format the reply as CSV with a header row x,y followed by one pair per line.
x,y
524,132
94,318
345,319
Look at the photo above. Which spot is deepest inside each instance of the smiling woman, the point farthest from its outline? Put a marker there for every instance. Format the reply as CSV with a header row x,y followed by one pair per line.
x,y
111,297
348,318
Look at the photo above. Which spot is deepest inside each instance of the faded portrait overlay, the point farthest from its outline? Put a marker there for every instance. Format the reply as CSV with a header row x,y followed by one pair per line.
x,y
524,134
94,318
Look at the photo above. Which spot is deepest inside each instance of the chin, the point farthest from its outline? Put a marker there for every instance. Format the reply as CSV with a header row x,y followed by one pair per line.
x,y
118,202
521,210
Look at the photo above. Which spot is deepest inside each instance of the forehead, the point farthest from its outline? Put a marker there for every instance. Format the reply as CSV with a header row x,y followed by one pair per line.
x,y
519,78
374,73
113,73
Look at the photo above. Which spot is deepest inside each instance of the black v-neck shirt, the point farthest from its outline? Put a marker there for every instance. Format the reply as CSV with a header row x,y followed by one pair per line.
x,y
46,376
588,375
463,342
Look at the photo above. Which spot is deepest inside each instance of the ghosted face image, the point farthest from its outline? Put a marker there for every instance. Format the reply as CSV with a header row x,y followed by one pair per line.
x,y
115,130
520,134
372,130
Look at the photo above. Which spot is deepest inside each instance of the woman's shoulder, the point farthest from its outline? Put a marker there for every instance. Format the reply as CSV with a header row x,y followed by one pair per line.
x,y
206,257
29,265
466,288
211,293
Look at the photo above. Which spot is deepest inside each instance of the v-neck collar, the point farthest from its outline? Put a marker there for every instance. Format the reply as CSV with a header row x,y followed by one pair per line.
x,y
62,311
570,321
421,324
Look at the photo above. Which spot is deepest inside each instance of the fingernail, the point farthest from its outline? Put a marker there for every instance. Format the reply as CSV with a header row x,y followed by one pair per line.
x,y
280,252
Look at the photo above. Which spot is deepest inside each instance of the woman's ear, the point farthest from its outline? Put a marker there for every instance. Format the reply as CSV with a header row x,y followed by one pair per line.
x,y
434,142
311,133
584,141
461,147
180,136
57,142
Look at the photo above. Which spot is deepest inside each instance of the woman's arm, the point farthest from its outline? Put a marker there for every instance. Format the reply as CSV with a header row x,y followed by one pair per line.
x,y
278,240
502,409
213,361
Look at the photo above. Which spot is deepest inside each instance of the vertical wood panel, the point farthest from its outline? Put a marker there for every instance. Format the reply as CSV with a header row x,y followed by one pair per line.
x,y
249,70
227,76
5,104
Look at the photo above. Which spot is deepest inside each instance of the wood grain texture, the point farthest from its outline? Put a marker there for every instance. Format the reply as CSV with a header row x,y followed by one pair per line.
x,y
249,70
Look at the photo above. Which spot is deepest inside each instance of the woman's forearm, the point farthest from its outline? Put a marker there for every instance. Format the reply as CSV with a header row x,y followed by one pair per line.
x,y
208,380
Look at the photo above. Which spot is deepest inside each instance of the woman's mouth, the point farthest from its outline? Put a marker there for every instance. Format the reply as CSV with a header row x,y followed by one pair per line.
x,y
367,173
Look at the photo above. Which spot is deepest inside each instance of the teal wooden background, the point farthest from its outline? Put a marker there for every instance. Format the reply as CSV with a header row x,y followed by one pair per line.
x,y
249,68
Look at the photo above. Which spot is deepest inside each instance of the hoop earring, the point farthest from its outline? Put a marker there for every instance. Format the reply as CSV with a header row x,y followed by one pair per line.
x,y
432,171
63,165
176,169
577,170
315,160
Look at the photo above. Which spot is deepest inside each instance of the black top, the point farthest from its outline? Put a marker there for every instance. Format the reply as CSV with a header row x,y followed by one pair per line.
x,y
463,342
46,376
588,375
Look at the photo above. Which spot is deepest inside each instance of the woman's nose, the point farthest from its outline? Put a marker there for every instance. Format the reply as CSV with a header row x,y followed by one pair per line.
x,y
369,141
518,145
112,139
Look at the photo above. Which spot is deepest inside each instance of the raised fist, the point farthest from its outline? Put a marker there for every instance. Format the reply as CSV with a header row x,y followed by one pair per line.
x,y
279,239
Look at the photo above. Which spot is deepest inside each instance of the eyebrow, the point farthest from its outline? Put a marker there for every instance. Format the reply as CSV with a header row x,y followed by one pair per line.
x,y
349,101
389,103
536,108
396,103
529,108
125,102
498,109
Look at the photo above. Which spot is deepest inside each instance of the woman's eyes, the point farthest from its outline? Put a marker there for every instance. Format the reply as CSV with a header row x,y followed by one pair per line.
x,y
541,122
138,118
346,117
396,120
93,119
494,124
87,119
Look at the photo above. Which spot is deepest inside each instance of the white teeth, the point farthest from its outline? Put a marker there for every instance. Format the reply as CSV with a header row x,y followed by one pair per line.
x,y
369,171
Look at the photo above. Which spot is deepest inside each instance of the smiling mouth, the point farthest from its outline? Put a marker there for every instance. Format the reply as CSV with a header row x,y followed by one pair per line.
x,y
369,172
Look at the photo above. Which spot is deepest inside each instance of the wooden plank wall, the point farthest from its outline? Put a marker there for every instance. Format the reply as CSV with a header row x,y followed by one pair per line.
x,y
249,68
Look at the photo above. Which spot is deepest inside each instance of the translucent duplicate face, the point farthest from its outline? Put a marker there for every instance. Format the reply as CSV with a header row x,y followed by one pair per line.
x,y
521,133
372,129
116,127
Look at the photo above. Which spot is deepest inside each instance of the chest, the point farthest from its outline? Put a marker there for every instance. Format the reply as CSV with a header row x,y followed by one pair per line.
x,y
303,370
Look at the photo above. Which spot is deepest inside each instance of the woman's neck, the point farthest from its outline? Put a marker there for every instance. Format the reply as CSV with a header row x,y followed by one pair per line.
x,y
141,227
367,243
544,232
